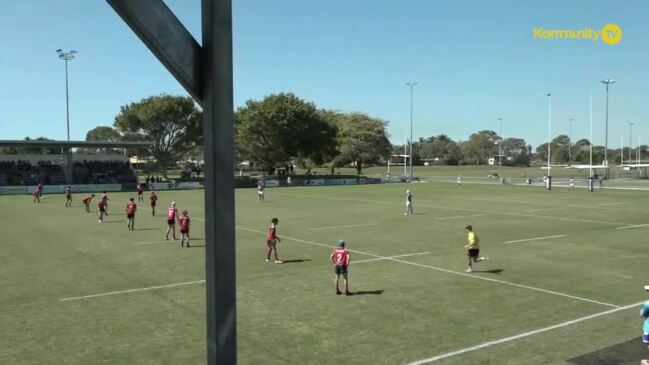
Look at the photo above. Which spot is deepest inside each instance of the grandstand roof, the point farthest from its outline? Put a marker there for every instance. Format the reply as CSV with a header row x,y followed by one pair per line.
x,y
72,144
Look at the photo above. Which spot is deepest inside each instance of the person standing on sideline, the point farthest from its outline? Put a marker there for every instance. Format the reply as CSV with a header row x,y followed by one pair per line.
x,y
571,182
460,180
340,258
131,208
408,203
473,250
272,239
260,191
68,196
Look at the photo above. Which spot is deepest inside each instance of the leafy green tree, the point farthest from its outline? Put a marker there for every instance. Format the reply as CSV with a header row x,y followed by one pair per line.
x,y
172,124
517,152
102,134
283,127
443,148
480,146
362,140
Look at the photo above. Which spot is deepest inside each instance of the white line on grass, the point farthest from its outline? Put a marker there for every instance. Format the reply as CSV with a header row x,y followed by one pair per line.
x,y
445,270
542,209
522,335
132,290
391,257
536,238
617,203
460,216
346,226
634,226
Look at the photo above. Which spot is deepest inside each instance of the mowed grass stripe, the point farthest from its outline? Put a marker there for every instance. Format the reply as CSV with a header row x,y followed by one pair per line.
x,y
445,270
477,211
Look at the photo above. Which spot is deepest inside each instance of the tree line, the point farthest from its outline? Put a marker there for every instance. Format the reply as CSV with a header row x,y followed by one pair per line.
x,y
283,130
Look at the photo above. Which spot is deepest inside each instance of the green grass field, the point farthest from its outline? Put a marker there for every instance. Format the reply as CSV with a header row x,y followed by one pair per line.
x,y
566,273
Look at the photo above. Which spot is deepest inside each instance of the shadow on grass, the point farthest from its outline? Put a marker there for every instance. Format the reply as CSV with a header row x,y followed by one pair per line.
x,y
147,229
369,292
193,245
296,261
629,352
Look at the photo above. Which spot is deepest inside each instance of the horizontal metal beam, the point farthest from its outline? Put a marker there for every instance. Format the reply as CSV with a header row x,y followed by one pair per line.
x,y
167,38
72,144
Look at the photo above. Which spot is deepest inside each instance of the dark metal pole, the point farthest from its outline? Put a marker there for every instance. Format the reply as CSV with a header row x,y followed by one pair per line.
x,y
218,134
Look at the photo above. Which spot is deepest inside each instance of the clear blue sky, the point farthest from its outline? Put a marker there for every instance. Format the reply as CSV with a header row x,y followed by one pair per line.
x,y
475,61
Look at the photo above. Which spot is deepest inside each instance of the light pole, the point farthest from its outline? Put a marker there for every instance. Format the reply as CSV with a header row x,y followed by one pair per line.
x,y
630,140
500,142
548,184
570,141
67,56
412,86
606,82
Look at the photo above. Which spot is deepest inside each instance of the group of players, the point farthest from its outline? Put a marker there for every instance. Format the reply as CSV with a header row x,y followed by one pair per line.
x,y
130,209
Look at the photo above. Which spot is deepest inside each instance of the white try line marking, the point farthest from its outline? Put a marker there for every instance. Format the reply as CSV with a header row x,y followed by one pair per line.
x,y
346,226
391,257
542,209
634,226
132,290
618,203
522,335
445,270
536,238
460,216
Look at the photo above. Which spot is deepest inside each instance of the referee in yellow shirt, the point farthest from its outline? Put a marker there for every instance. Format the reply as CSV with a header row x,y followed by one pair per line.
x,y
473,250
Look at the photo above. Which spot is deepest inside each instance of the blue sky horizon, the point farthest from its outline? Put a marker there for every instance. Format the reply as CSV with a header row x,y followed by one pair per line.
x,y
474,62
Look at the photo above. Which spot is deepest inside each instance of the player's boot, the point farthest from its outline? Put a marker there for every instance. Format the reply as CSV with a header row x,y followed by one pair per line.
x,y
338,292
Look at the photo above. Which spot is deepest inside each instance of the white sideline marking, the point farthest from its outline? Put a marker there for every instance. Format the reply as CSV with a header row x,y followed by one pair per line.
x,y
132,290
346,226
391,257
522,335
542,209
536,238
445,270
460,216
618,203
634,226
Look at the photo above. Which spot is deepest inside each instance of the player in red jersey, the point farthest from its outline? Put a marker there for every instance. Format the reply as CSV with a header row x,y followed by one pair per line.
x,y
86,201
104,199
172,213
140,191
101,205
340,259
154,199
68,196
272,239
131,208
37,195
183,221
